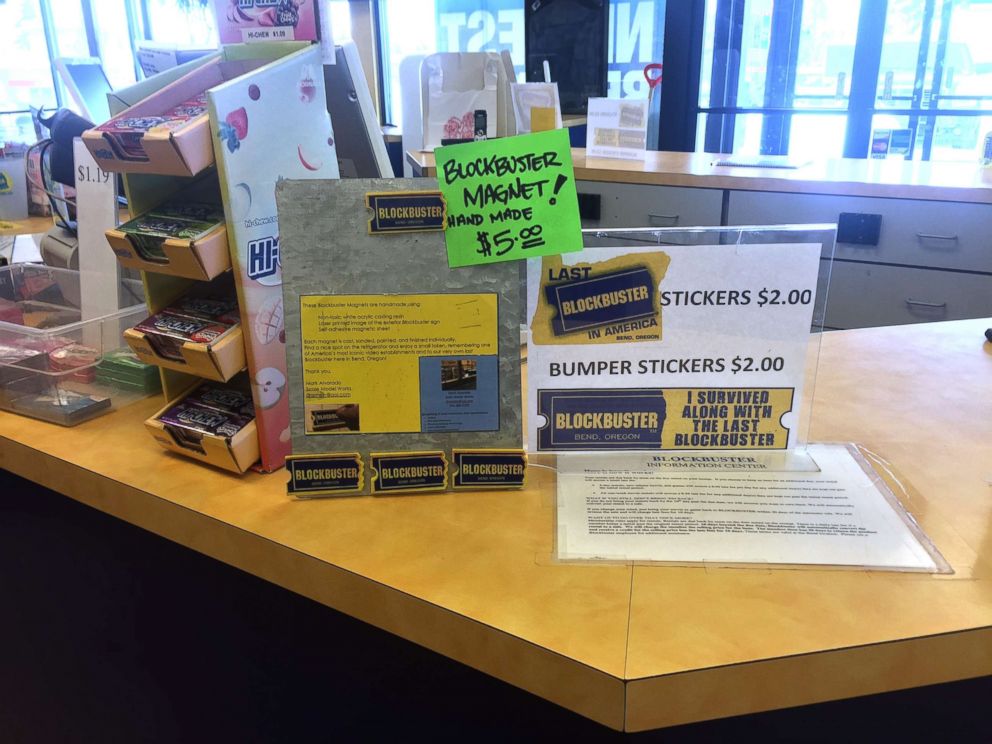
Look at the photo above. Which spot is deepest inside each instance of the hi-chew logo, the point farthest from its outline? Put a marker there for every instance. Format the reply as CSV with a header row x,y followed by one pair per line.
x,y
263,257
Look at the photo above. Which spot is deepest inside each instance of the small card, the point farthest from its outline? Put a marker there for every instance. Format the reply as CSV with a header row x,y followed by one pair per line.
x,y
536,106
408,472
509,199
405,212
488,469
338,474
617,128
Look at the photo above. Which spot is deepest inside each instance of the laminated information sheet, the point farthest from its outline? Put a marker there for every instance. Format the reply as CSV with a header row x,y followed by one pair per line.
x,y
400,363
669,347
690,508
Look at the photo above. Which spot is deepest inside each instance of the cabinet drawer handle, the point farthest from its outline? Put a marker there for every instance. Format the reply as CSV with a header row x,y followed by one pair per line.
x,y
931,236
669,220
920,303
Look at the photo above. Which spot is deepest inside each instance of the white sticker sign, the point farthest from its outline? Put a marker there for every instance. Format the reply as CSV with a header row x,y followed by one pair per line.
x,y
669,347
617,128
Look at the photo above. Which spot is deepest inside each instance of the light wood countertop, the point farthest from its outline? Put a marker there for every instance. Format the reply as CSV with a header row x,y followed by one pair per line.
x,y
472,575
28,226
938,181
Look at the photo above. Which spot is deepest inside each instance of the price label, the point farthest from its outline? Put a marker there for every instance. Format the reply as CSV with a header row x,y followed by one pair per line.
x,y
750,364
779,297
91,174
509,199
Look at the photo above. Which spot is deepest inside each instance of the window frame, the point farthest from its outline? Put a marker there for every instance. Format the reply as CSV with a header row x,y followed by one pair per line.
x,y
922,111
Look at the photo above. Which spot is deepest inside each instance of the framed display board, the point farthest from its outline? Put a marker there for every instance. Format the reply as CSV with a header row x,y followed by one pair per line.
x,y
397,365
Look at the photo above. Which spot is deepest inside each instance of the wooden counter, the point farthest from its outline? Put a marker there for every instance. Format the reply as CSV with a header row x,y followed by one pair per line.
x,y
936,181
635,647
27,226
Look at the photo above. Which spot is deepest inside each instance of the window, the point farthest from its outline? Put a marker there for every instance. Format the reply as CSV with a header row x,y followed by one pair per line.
x,y
189,24
114,39
414,27
26,75
813,78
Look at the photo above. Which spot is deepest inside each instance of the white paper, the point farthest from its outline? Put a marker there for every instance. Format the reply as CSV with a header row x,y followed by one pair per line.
x,y
454,87
716,306
154,60
628,508
96,211
526,96
617,128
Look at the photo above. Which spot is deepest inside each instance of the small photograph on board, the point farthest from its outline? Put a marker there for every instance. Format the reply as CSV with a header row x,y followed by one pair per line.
x,y
330,418
459,374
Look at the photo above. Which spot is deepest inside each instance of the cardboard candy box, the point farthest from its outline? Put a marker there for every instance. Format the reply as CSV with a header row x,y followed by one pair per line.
x,y
187,239
213,423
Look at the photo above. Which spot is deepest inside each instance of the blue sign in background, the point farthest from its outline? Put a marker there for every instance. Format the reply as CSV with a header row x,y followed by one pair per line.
x,y
637,31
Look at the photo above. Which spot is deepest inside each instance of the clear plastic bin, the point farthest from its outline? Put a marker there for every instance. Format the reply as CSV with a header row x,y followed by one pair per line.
x,y
58,365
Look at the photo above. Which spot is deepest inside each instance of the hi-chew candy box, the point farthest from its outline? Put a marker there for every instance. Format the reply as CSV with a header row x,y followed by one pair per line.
x,y
167,332
148,232
124,133
215,309
192,416
231,398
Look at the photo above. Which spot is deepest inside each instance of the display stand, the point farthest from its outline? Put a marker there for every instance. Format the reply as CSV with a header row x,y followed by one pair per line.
x,y
265,124
671,371
709,343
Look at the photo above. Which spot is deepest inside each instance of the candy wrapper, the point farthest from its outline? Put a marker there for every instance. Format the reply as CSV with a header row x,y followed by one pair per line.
x,y
230,398
78,357
187,422
167,332
124,134
191,221
215,309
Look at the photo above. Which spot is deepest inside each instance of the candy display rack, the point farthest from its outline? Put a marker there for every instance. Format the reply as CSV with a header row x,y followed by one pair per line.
x,y
267,121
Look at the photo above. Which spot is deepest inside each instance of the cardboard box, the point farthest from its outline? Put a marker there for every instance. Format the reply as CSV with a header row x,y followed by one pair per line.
x,y
201,259
174,149
219,360
236,453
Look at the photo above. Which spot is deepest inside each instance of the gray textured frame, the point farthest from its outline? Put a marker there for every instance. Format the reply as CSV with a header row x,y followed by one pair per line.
x,y
326,249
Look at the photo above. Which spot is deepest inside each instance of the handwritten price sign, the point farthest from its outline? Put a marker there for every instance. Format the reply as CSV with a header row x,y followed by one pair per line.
x,y
509,199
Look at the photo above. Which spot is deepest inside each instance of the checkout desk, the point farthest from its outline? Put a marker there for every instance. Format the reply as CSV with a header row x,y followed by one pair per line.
x,y
472,575
931,259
